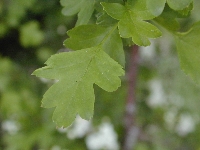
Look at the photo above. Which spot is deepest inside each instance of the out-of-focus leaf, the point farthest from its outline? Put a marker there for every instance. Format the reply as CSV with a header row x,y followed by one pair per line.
x,y
156,6
188,47
178,4
31,35
84,9
168,19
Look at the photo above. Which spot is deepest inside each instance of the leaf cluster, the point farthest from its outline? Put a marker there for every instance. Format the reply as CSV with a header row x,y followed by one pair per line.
x,y
98,56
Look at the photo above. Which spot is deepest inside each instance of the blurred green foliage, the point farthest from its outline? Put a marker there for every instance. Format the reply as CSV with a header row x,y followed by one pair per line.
x,y
31,31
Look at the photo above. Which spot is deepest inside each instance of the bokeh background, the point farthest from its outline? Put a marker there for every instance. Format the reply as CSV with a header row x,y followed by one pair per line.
x,y
168,102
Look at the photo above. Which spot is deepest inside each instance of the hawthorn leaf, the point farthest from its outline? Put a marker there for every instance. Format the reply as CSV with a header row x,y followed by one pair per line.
x,y
116,10
139,9
70,7
131,21
84,9
168,19
188,47
76,73
113,46
105,20
87,36
185,12
85,13
156,7
179,4
98,6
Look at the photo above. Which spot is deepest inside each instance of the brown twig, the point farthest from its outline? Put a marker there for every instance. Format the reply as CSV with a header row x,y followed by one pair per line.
x,y
1,136
131,130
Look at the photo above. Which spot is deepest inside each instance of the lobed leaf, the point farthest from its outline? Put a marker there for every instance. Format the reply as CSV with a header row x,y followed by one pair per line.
x,y
168,19
113,46
87,36
188,47
105,20
115,10
84,9
185,12
77,72
156,7
140,9
179,4
131,21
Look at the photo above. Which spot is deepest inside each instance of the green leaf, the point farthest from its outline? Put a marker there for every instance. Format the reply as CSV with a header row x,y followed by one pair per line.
x,y
185,12
77,71
188,47
30,34
87,36
168,19
131,21
84,9
98,6
178,4
70,7
115,10
105,20
156,6
113,46
139,9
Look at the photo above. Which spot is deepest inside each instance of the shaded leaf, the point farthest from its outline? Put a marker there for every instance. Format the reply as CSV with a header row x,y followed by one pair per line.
x,y
157,6
178,4
139,9
188,47
87,36
185,12
84,9
113,46
105,20
168,19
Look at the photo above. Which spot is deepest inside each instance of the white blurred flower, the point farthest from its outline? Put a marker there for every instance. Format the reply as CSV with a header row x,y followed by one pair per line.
x,y
186,125
79,128
148,53
105,138
157,96
10,126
